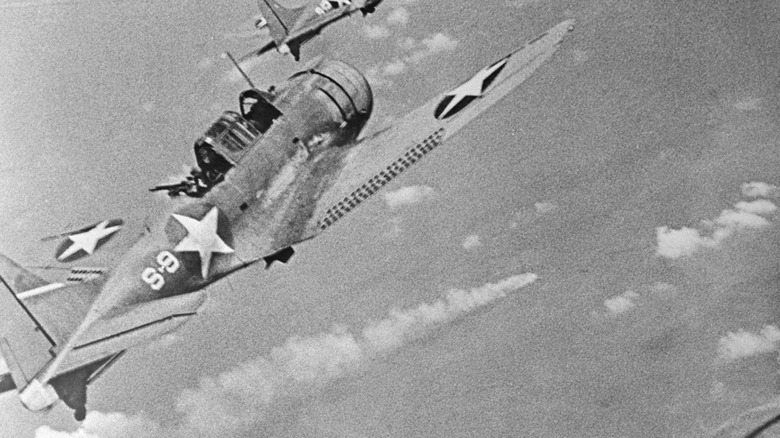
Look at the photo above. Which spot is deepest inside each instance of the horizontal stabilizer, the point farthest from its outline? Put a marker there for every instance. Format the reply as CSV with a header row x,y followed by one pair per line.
x,y
18,278
6,383
24,344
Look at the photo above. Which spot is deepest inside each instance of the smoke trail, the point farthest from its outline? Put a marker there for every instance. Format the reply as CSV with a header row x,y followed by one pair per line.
x,y
240,400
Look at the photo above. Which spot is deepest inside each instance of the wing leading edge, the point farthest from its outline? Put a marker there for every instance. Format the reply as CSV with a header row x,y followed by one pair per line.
x,y
376,160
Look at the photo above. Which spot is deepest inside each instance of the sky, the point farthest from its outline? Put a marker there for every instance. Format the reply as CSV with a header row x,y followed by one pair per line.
x,y
596,256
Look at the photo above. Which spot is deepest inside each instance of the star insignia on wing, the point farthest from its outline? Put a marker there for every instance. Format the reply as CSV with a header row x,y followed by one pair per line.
x,y
202,238
88,240
459,98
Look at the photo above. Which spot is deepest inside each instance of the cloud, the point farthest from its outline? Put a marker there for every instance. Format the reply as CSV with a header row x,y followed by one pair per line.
x,y
621,303
394,68
399,17
238,401
760,206
407,195
685,241
545,207
744,344
520,3
471,242
29,4
240,398
759,190
648,296
749,104
111,425
412,52
430,46
375,32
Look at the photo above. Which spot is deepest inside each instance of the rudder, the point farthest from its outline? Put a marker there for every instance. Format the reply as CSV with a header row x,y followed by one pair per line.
x,y
281,20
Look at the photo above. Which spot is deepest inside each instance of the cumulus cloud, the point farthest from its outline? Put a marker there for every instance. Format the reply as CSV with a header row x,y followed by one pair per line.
x,y
545,207
394,68
111,425
676,243
471,242
398,16
375,31
235,400
621,303
412,52
407,195
431,45
742,344
749,104
760,190
240,400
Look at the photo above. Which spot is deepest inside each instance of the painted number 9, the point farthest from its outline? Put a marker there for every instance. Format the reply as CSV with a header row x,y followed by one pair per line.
x,y
168,261
153,277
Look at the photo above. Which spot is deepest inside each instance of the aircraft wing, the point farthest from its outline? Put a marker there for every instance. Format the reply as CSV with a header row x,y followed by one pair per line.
x,y
376,160
98,246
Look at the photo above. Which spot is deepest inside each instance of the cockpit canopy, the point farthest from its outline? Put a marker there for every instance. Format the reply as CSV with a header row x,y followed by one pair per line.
x,y
232,134
226,142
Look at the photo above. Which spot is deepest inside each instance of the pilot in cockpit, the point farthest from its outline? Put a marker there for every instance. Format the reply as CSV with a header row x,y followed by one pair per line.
x,y
257,109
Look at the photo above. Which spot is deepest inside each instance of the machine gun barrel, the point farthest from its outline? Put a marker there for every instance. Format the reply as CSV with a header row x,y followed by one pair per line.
x,y
171,188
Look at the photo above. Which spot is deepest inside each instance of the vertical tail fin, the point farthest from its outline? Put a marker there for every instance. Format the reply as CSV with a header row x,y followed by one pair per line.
x,y
24,344
281,20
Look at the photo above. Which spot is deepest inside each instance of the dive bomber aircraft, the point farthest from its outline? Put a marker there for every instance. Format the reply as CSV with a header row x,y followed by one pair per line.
x,y
284,168
292,25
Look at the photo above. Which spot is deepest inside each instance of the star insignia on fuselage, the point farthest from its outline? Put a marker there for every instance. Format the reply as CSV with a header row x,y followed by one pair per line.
x,y
88,240
459,98
202,238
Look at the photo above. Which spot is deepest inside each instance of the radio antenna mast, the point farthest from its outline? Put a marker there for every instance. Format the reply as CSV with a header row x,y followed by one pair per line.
x,y
240,70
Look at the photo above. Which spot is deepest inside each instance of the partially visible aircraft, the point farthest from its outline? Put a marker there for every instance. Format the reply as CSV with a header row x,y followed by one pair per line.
x,y
286,167
293,25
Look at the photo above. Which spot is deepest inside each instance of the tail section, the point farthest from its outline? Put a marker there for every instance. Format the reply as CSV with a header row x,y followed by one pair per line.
x,y
25,345
280,20
36,318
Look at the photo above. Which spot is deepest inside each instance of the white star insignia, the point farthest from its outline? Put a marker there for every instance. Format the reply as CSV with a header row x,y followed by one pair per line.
x,y
202,238
88,240
474,87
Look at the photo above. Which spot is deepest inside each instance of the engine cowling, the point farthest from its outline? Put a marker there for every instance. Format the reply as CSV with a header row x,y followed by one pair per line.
x,y
332,97
346,87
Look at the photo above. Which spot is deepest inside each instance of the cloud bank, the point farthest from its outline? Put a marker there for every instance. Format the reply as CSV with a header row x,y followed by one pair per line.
x,y
746,215
239,401
760,190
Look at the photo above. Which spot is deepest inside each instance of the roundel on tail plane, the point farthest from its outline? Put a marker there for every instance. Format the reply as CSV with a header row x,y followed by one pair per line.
x,y
459,98
84,242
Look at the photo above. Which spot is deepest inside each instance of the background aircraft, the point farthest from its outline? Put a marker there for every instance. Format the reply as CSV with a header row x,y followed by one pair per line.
x,y
279,172
290,27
